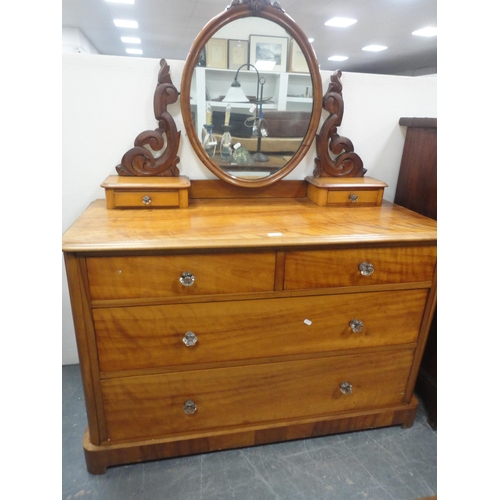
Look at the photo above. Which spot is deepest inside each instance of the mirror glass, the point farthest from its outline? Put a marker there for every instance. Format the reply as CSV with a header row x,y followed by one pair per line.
x,y
251,98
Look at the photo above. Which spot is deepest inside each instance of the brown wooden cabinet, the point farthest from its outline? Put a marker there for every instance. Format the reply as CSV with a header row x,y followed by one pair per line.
x,y
417,190
242,321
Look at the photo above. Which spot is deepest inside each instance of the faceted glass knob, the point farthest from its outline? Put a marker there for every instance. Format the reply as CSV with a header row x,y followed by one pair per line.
x,y
190,339
353,198
346,388
356,325
189,407
146,200
366,268
187,279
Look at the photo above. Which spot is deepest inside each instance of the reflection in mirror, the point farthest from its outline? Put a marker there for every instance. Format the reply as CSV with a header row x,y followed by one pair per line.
x,y
251,98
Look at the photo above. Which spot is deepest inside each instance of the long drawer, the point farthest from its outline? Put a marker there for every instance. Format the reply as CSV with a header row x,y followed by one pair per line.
x,y
136,277
186,402
184,334
359,266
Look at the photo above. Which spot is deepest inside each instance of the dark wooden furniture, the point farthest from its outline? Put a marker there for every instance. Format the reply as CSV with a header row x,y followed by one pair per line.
x,y
417,190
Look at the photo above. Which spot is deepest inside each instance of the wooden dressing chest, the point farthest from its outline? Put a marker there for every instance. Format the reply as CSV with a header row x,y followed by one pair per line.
x,y
242,321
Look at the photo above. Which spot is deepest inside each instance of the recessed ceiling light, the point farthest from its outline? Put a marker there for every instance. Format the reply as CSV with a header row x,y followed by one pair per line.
x,y
134,51
338,58
129,2
310,40
426,32
340,22
120,23
374,48
130,39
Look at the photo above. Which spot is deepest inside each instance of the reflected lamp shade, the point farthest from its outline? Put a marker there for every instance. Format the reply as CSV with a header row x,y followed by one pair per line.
x,y
235,93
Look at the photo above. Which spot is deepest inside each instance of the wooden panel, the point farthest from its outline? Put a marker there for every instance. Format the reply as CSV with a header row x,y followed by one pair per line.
x,y
151,336
152,405
135,199
333,268
158,276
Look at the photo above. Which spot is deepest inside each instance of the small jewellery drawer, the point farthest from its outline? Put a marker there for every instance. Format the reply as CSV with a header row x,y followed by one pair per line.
x,y
131,338
354,198
359,266
149,199
185,402
149,277
345,192
146,192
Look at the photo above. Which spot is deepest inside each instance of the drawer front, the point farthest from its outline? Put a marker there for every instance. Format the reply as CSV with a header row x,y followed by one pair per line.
x,y
149,199
189,334
334,268
355,198
159,276
153,405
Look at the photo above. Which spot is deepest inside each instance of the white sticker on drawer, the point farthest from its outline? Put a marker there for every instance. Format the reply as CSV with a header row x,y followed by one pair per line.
x,y
275,234
308,322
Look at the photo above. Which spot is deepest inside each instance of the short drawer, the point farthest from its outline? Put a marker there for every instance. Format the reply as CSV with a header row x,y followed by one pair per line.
x,y
137,277
359,267
187,402
354,198
188,334
149,199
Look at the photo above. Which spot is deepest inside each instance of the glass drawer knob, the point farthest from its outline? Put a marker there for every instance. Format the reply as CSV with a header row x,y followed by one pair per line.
x,y
353,198
346,388
366,268
146,200
356,325
187,279
189,407
190,339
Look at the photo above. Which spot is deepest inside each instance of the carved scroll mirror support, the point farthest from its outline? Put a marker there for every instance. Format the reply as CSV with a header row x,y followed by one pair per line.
x,y
141,161
335,154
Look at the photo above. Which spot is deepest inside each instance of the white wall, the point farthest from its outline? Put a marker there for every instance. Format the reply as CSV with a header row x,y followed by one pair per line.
x,y
108,100
73,40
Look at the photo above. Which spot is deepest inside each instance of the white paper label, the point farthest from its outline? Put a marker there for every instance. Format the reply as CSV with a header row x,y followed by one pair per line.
x,y
308,322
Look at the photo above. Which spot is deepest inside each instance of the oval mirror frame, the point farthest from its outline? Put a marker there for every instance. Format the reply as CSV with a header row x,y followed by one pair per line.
x,y
275,14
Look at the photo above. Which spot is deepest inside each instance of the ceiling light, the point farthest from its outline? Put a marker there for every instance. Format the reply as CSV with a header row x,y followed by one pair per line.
x,y
310,40
426,32
340,22
130,39
374,48
129,2
338,58
134,51
120,23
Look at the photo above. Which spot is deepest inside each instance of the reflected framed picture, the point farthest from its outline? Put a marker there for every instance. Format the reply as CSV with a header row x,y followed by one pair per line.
x,y
237,53
298,63
270,51
216,53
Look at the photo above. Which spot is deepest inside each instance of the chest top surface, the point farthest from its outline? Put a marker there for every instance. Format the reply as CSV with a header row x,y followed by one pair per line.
x,y
239,223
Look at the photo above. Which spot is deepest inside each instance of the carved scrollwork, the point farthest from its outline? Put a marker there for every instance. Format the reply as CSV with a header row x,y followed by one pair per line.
x,y
140,160
256,5
335,154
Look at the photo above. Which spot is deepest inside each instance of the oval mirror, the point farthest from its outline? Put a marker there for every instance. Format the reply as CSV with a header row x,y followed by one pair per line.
x,y
251,94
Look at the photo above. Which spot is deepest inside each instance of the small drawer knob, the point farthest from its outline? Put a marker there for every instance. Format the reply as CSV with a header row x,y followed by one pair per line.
x,y
187,279
190,339
189,407
346,388
353,198
147,200
356,325
366,268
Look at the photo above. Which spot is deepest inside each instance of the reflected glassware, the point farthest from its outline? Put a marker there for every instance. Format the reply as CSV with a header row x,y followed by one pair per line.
x,y
209,141
225,145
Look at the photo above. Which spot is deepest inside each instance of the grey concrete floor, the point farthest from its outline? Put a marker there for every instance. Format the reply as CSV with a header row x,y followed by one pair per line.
x,y
379,464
